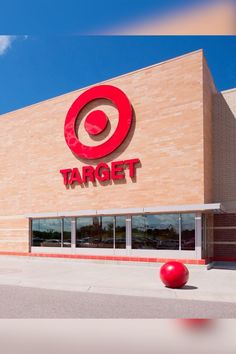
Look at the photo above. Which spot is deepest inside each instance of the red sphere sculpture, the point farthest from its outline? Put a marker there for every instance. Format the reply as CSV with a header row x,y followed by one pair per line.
x,y
174,274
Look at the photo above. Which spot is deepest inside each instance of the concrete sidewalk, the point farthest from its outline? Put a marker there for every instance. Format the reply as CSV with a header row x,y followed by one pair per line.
x,y
119,279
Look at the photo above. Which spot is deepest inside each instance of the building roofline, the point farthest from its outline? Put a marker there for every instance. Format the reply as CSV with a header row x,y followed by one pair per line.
x,y
185,208
229,90
104,81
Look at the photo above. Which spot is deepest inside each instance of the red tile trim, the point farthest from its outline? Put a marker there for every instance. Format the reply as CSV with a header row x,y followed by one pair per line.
x,y
110,258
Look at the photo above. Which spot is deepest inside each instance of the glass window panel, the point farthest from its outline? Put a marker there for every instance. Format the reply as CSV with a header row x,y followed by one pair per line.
x,y
98,232
94,232
188,232
67,232
107,233
163,231
155,231
87,232
46,232
120,232
139,232
37,238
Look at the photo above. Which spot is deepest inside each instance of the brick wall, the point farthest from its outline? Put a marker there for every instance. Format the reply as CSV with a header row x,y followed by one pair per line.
x,y
224,131
224,157
14,234
225,237
167,136
209,92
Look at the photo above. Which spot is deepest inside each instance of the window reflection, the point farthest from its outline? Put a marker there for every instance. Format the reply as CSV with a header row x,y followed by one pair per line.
x,y
106,232
67,232
120,232
99,232
46,232
188,232
87,231
51,232
94,232
159,231
155,231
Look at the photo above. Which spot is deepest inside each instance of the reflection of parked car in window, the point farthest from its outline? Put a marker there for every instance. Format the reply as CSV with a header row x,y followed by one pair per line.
x,y
120,242
87,242
37,241
108,243
109,240
140,242
51,243
169,244
188,244
144,242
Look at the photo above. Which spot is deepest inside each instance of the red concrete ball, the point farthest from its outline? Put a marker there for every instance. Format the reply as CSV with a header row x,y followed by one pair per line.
x,y
174,274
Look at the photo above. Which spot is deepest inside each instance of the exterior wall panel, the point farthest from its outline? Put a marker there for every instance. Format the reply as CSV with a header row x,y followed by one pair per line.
x,y
170,136
225,237
224,131
14,234
209,92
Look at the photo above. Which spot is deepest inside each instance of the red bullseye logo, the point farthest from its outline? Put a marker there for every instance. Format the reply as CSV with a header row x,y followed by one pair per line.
x,y
96,122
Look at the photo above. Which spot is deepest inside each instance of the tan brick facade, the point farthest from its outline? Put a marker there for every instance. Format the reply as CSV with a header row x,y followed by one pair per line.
x,y
209,92
224,130
224,153
171,136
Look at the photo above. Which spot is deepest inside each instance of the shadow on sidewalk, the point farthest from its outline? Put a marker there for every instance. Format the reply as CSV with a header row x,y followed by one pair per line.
x,y
189,287
223,265
186,287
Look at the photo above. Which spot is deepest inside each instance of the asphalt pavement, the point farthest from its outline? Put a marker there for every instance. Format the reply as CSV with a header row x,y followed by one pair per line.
x,y
23,302
64,288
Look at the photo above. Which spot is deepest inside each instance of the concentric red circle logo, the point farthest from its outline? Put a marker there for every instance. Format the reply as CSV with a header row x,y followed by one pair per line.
x,y
96,122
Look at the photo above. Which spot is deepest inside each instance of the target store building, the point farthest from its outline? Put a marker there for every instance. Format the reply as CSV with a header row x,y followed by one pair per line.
x,y
141,167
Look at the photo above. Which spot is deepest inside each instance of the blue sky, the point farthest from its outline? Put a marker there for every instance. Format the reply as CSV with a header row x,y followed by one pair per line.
x,y
35,68
79,16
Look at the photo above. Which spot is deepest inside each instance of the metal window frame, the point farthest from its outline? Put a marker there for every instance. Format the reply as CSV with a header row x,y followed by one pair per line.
x,y
180,232
128,232
114,232
73,233
62,232
128,224
198,234
196,227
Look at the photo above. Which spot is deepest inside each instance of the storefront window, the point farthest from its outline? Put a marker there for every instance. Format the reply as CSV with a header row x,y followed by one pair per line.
x,y
51,232
46,232
188,232
155,231
95,232
106,232
66,232
139,234
99,232
120,232
87,232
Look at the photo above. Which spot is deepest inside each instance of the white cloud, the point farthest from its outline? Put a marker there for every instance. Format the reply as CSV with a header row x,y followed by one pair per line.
x,y
5,43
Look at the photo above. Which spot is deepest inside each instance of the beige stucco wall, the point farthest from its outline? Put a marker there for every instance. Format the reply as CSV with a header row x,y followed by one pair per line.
x,y
168,137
